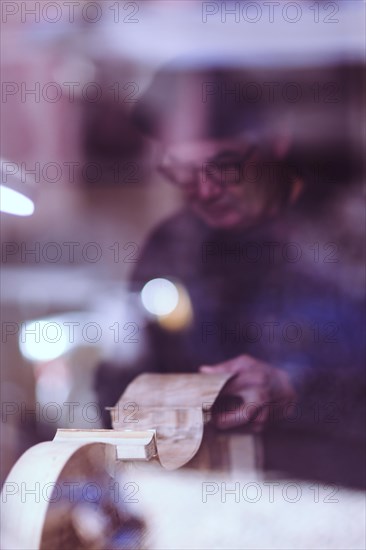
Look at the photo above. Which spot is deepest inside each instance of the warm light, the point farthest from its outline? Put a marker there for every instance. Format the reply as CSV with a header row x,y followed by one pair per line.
x,y
160,296
13,202
182,316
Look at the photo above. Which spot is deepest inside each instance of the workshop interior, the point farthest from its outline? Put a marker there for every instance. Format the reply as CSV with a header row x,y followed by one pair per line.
x,y
183,275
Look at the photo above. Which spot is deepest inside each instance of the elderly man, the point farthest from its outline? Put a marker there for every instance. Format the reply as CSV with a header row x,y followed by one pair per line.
x,y
239,248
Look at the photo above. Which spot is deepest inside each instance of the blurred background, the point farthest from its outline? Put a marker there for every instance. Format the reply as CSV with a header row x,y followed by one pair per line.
x,y
72,74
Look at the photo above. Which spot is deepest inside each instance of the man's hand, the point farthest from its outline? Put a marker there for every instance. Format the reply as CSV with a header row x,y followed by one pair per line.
x,y
257,386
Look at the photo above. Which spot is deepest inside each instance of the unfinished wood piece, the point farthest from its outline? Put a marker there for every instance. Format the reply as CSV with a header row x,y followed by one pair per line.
x,y
28,490
174,390
129,445
175,405
166,414
43,490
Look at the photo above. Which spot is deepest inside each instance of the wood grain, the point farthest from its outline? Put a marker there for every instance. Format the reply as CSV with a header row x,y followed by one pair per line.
x,y
175,405
160,419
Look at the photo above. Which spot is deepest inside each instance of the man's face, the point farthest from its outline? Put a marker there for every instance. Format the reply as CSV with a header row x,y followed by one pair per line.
x,y
226,183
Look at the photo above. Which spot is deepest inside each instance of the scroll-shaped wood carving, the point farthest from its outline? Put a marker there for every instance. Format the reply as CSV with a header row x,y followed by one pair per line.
x,y
42,496
158,417
175,406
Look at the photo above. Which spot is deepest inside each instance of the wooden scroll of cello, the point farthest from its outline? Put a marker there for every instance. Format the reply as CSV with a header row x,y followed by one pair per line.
x,y
56,487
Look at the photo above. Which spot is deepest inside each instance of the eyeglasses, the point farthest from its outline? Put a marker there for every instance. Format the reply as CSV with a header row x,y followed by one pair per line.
x,y
226,168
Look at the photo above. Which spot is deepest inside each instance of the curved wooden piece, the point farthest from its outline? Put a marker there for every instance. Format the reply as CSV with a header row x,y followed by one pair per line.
x,y
45,490
172,404
46,494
